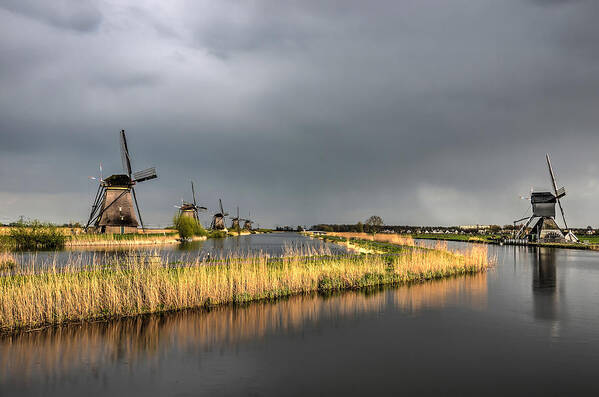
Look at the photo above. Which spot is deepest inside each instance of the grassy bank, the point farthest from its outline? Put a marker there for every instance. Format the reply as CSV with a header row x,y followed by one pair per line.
x,y
479,238
585,238
586,242
112,290
88,239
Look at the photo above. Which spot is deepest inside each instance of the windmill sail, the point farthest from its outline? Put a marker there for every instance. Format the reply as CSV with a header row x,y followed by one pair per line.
x,y
145,175
559,193
125,157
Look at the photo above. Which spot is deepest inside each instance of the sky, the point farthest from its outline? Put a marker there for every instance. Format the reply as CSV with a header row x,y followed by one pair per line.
x,y
428,112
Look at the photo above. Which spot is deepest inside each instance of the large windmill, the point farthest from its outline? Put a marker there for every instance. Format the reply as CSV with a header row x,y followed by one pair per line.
x,y
191,210
543,227
218,219
112,209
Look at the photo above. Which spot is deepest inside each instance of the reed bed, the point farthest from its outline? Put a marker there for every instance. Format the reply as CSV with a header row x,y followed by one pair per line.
x,y
7,260
399,239
89,239
135,286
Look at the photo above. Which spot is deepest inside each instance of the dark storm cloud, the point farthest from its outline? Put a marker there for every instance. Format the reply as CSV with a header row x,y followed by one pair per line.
x,y
305,111
79,15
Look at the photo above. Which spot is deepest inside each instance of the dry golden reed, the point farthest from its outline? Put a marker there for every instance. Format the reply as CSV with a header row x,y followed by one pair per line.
x,y
135,285
398,239
7,260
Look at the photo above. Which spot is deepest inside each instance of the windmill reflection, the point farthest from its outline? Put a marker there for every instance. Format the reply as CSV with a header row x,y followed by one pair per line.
x,y
544,284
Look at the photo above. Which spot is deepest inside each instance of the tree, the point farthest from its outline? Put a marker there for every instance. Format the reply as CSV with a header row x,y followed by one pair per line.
x,y
495,228
374,223
188,227
360,227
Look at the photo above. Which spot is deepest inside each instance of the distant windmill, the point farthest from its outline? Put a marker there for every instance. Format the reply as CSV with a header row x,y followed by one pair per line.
x,y
112,209
218,219
191,210
544,227
235,221
247,224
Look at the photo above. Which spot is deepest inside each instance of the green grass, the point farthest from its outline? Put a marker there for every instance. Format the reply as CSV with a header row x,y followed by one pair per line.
x,y
216,234
584,238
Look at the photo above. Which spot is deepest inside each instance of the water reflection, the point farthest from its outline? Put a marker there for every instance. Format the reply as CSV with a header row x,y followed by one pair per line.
x,y
54,353
544,284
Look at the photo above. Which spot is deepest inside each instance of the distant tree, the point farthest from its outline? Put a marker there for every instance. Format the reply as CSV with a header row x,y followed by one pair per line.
x,y
495,228
374,223
360,227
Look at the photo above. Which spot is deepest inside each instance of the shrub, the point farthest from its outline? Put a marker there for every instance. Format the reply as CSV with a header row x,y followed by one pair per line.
x,y
36,235
188,227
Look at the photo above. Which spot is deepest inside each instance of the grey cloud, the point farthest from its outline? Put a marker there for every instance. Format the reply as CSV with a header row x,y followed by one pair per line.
x,y
128,80
78,15
306,111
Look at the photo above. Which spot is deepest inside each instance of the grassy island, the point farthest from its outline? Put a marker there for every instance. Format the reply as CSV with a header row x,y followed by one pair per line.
x,y
101,291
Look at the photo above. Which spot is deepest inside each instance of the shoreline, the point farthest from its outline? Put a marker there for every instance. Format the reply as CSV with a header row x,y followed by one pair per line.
x,y
458,238
482,240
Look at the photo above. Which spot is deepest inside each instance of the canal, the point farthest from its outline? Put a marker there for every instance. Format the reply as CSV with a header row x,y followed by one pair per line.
x,y
530,326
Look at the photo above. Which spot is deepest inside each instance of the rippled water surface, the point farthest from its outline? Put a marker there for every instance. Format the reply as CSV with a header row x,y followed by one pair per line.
x,y
528,327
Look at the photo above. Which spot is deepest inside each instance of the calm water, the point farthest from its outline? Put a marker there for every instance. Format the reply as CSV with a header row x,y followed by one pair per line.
x,y
274,244
528,327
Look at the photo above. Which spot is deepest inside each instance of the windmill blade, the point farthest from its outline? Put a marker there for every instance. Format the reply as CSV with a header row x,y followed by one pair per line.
x,y
125,157
551,174
521,219
138,212
95,206
220,203
202,208
145,175
193,192
558,192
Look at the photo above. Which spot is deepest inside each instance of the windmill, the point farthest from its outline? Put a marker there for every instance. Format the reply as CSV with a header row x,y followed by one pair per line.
x,y
112,209
247,223
218,219
235,221
191,210
544,227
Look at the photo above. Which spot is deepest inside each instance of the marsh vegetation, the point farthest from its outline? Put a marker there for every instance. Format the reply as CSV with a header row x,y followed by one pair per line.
x,y
32,235
135,285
